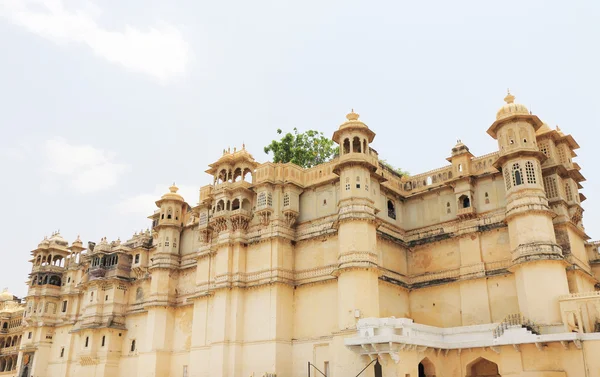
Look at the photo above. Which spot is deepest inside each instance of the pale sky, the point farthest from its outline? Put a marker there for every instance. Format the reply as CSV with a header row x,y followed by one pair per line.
x,y
106,103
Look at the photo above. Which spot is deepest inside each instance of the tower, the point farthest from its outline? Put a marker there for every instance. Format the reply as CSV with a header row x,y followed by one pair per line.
x,y
164,263
43,298
357,272
537,259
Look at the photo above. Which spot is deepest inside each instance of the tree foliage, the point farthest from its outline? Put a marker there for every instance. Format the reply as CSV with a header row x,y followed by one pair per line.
x,y
305,149
395,169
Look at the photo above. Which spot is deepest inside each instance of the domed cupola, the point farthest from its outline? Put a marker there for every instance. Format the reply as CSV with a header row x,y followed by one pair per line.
x,y
354,138
353,135
511,108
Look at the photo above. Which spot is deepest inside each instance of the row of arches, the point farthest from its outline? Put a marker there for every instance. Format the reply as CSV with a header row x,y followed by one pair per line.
x,y
50,260
235,175
356,146
229,205
8,363
10,341
428,181
105,260
11,324
480,367
43,279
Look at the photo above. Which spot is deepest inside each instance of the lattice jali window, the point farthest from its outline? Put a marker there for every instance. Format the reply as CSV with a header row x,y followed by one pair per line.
x,y
562,157
269,199
545,147
507,179
530,172
262,200
286,200
568,191
517,174
550,187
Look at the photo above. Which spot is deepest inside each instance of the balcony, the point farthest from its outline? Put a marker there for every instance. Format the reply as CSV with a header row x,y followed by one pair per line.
x,y
9,350
466,213
575,311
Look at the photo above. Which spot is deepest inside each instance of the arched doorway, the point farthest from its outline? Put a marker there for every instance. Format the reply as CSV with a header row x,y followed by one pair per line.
x,y
426,368
482,368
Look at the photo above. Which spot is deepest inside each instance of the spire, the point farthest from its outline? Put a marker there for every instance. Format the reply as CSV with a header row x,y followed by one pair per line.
x,y
352,115
509,97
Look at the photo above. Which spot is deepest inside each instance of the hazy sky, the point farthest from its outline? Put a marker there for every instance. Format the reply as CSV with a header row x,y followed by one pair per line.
x,y
106,103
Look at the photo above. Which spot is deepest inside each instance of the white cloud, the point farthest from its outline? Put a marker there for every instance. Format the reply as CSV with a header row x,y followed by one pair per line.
x,y
144,204
160,52
85,168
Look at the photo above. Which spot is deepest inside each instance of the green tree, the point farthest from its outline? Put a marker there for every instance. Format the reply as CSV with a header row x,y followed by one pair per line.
x,y
305,149
395,169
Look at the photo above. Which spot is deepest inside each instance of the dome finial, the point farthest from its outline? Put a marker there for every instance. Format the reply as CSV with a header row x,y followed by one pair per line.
x,y
173,188
509,97
352,115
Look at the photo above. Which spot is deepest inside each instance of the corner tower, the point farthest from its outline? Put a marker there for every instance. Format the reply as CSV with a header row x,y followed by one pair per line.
x,y
357,264
537,259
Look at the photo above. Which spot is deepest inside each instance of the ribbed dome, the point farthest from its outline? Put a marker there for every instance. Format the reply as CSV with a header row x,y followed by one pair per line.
x,y
172,194
6,295
511,108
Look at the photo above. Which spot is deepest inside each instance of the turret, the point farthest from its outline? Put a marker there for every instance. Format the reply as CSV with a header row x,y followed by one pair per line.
x,y
464,188
537,259
170,221
356,162
357,271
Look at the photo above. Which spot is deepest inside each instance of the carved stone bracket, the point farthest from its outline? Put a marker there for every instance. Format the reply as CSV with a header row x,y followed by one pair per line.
x,y
239,222
290,217
265,216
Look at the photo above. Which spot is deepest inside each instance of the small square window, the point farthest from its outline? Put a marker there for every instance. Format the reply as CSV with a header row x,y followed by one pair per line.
x,y
347,187
358,185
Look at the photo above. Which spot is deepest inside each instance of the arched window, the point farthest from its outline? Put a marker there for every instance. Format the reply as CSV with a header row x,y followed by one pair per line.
x,y
448,209
459,168
530,172
169,213
356,144
286,199
426,368
235,204
464,201
346,146
487,198
517,174
511,137
220,205
429,181
237,174
391,207
247,175
568,191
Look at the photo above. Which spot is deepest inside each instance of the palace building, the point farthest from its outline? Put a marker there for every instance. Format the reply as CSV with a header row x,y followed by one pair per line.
x,y
479,268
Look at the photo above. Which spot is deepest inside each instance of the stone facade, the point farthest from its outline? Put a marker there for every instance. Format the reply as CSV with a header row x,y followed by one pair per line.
x,y
479,268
